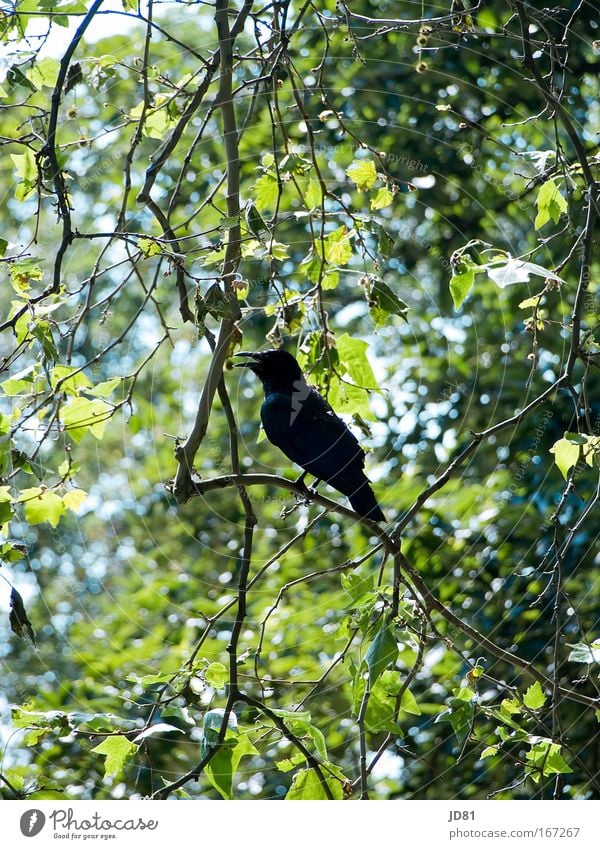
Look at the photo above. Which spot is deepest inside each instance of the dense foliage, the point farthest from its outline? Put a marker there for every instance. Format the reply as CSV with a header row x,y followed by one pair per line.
x,y
404,196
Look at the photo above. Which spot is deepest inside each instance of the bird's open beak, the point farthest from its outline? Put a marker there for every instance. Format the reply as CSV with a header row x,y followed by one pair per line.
x,y
254,359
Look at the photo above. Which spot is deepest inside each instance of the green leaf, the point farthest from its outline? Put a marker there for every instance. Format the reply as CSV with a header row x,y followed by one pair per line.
x,y
349,399
213,720
509,270
106,387
74,498
224,763
488,752
254,220
6,511
42,505
69,385
293,163
25,165
157,730
556,764
363,173
534,698
23,718
288,764
357,586
409,704
545,758
81,416
531,302
307,786
385,244
216,675
391,682
460,286
149,247
278,251
313,197
337,247
382,653
382,198
311,266
353,357
44,72
383,301
460,713
330,280
12,553
15,75
23,273
43,333
117,751
550,204
220,769
157,120
583,653
566,455
266,191
381,708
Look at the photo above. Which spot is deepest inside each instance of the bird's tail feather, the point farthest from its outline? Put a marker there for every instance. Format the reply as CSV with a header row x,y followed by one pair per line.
x,y
364,502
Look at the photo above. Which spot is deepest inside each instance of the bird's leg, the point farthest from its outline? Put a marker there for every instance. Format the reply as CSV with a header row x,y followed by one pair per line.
x,y
314,486
300,481
302,497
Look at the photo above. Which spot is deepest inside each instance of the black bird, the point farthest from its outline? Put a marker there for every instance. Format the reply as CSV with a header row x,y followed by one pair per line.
x,y
300,422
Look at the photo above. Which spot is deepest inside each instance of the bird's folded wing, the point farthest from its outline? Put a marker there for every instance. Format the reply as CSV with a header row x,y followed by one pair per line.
x,y
322,438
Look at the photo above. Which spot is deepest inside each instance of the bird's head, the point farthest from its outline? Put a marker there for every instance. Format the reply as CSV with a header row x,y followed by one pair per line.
x,y
277,369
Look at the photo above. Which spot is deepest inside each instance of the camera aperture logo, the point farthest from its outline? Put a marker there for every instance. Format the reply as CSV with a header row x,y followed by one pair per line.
x,y
32,822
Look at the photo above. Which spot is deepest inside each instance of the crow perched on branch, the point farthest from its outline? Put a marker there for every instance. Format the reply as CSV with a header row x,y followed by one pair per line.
x,y
302,424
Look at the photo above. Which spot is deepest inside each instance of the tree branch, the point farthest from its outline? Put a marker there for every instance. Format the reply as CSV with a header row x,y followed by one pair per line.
x,y
392,544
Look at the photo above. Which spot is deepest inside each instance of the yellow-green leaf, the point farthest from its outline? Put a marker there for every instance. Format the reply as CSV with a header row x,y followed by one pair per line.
x,y
489,752
149,247
117,751
353,356
383,197
266,191
44,73
409,703
6,511
382,652
337,246
550,204
313,196
530,302
566,455
460,286
307,785
25,164
82,415
74,498
534,698
42,505
216,675
106,388
69,385
363,173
